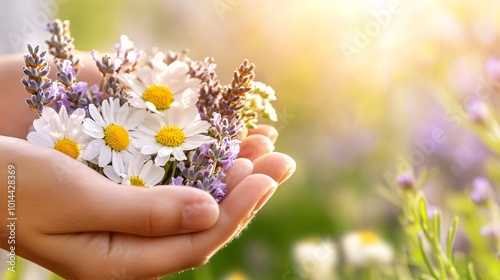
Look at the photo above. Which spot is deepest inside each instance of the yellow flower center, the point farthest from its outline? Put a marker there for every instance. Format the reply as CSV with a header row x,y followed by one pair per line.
x,y
137,181
68,147
161,96
171,136
116,137
368,237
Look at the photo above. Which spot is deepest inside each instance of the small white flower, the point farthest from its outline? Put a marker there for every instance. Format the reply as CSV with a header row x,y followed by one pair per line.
x,y
171,133
111,132
316,259
158,87
61,132
139,173
363,248
259,98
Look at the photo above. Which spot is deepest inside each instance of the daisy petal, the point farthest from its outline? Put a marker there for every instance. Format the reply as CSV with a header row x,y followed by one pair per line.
x,y
165,151
178,154
104,156
93,149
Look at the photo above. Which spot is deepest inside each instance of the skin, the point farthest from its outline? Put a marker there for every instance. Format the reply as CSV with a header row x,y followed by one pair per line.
x,y
77,223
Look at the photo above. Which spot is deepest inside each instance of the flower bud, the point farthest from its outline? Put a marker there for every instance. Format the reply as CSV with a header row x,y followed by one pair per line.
x,y
406,180
478,112
481,191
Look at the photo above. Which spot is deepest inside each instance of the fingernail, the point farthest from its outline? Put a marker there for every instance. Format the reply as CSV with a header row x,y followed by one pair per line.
x,y
289,171
265,198
200,215
273,135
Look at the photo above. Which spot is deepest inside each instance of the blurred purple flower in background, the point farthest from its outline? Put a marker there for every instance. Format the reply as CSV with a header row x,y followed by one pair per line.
x,y
481,191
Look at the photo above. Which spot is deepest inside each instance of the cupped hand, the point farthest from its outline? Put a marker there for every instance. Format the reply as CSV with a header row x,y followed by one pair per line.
x,y
81,225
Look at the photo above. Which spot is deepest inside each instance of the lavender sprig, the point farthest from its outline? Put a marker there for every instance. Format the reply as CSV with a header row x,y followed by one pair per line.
x,y
124,61
229,101
37,83
61,43
209,162
197,69
66,74
70,93
209,97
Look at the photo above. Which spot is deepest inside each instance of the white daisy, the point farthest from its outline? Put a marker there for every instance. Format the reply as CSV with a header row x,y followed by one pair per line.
x,y
157,87
111,132
139,173
61,132
177,130
363,248
317,259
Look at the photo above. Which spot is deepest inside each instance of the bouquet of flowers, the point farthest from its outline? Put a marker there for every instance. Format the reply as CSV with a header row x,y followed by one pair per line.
x,y
155,118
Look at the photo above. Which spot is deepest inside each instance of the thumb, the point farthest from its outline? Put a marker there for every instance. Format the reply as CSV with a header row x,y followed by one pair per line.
x,y
159,211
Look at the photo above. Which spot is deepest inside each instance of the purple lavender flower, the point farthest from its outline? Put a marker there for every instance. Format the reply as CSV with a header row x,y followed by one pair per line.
x,y
37,83
61,43
79,87
105,65
493,69
208,163
225,128
177,181
491,231
65,72
201,176
478,111
96,94
210,68
406,180
59,92
482,191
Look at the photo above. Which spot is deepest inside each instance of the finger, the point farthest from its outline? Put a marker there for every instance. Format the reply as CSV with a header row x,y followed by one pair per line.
x,y
92,202
262,129
161,255
254,146
265,130
275,165
159,211
241,169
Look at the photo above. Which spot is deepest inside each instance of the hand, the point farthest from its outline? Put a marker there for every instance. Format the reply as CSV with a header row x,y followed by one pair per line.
x,y
81,225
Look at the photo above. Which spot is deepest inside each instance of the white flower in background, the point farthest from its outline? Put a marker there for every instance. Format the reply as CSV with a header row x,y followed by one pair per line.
x,y
177,130
158,87
140,172
235,276
60,132
362,248
111,132
316,259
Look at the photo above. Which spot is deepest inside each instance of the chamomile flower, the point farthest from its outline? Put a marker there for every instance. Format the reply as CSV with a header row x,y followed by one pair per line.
x,y
139,173
316,258
158,86
177,130
60,131
364,248
110,131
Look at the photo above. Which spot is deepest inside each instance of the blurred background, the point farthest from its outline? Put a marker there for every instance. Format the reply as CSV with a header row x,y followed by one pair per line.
x,y
363,87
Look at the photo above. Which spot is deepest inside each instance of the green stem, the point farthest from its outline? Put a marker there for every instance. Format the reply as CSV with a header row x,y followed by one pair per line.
x,y
451,238
174,167
471,274
495,216
166,167
102,82
426,259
